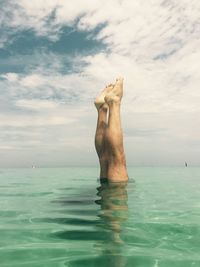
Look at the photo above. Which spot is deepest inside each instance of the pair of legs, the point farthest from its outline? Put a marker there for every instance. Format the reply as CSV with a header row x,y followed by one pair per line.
x,y
109,136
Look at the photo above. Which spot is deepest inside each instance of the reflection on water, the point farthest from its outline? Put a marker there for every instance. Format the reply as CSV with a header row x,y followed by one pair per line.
x,y
107,226
114,211
113,203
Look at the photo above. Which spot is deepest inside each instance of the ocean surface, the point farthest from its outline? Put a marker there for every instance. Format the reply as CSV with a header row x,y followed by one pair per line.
x,y
64,217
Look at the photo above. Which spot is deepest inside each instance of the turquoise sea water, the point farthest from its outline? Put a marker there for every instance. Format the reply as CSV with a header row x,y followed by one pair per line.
x,y
64,217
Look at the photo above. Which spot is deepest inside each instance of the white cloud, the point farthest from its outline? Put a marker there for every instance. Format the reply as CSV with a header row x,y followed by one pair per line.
x,y
11,77
36,104
33,120
153,44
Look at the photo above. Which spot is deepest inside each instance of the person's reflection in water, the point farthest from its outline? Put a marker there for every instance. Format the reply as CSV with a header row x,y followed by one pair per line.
x,y
106,233
114,212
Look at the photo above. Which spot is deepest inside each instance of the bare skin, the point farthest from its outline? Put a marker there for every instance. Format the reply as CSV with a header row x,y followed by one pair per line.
x,y
109,136
100,144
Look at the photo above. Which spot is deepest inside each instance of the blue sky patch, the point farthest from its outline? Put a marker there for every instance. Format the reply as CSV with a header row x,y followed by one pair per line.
x,y
26,46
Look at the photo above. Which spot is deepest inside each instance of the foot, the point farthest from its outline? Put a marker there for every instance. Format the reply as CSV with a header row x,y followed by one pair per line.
x,y
115,95
100,101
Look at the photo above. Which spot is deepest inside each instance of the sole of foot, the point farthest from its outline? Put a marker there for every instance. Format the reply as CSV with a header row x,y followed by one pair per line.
x,y
100,101
118,87
115,95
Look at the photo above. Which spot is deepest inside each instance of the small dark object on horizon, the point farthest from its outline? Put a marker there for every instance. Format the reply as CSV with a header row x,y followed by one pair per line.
x,y
185,164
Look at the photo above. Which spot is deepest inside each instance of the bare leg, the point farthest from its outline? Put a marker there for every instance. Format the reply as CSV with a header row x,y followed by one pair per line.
x,y
102,109
100,140
117,171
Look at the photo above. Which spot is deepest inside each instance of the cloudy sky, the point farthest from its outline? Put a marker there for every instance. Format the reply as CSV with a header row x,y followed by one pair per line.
x,y
55,56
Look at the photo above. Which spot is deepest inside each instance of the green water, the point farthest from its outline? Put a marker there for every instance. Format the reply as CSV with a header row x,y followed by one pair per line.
x,y
64,217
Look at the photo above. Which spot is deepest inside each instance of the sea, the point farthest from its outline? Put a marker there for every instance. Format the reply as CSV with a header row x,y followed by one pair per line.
x,y
58,217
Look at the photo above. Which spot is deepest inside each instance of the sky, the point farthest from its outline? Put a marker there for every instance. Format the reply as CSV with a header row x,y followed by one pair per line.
x,y
56,56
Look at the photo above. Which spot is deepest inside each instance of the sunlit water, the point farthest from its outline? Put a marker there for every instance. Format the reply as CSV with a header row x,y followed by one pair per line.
x,y
64,217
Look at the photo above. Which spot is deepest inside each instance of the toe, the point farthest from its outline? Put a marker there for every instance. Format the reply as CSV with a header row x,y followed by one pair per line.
x,y
119,79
